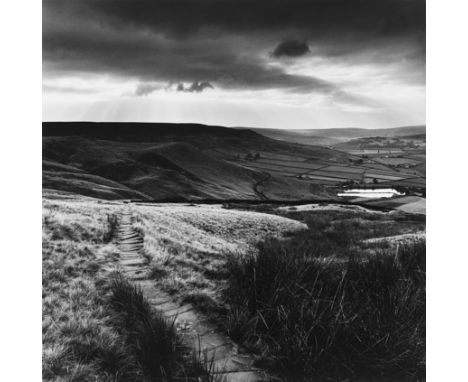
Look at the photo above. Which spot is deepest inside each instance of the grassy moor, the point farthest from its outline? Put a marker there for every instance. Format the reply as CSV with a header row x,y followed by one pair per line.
x,y
205,253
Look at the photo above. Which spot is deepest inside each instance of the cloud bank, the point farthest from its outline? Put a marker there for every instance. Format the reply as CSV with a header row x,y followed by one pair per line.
x,y
235,44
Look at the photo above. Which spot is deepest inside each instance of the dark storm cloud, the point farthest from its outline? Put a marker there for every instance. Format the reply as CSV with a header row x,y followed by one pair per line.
x,y
156,58
144,89
372,17
225,42
291,48
194,87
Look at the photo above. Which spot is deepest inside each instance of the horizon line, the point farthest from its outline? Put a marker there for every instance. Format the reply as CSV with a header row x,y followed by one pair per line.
x,y
241,127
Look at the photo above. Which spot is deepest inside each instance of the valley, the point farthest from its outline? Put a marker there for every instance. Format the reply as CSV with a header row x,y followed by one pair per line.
x,y
164,162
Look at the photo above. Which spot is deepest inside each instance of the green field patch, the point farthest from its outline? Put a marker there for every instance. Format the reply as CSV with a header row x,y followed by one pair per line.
x,y
345,169
303,165
272,167
324,182
398,201
420,168
282,157
323,177
337,174
419,157
376,152
383,176
275,172
376,166
412,182
395,161
383,172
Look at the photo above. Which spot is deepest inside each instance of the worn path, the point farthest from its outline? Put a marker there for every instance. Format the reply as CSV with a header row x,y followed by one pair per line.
x,y
195,329
261,194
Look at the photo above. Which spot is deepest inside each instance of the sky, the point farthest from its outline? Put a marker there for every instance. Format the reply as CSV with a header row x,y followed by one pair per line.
x,y
253,63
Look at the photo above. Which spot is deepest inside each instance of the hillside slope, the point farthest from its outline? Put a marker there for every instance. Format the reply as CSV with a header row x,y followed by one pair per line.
x,y
164,161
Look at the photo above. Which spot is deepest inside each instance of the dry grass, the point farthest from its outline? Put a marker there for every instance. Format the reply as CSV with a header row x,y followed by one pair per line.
x,y
188,245
97,327
207,228
79,340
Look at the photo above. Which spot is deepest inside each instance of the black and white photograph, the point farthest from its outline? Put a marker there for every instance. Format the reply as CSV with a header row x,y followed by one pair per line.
x,y
234,190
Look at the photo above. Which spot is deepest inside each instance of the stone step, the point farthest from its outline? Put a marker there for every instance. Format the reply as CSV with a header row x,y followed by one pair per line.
x,y
134,262
131,242
125,244
131,258
167,306
175,312
137,277
132,248
159,301
127,239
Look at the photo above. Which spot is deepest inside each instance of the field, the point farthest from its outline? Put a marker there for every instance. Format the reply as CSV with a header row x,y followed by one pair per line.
x,y
360,169
391,159
405,154
197,254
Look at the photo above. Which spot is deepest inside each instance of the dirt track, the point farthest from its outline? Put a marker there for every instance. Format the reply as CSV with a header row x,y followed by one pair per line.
x,y
259,183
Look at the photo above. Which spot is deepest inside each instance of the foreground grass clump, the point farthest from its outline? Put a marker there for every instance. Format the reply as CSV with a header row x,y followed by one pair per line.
x,y
153,340
319,316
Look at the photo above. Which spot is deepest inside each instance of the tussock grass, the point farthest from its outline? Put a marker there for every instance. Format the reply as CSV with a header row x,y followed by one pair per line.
x,y
311,313
158,349
153,340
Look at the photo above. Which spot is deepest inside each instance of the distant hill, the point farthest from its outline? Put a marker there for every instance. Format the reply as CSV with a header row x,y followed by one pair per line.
x,y
138,132
166,161
330,137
